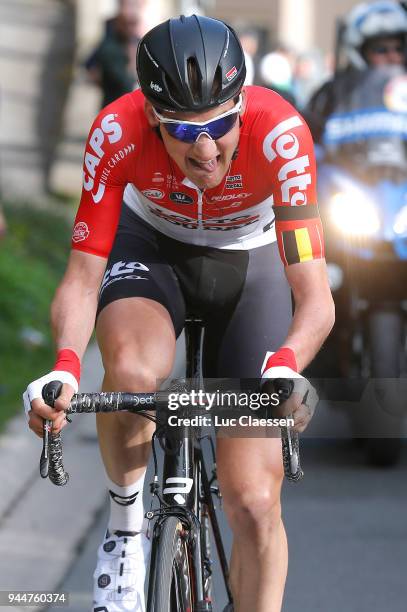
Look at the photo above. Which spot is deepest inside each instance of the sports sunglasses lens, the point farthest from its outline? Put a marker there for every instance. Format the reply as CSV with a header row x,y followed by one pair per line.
x,y
180,131
220,127
189,133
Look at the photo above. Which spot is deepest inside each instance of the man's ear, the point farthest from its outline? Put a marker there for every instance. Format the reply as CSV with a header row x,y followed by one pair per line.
x,y
151,118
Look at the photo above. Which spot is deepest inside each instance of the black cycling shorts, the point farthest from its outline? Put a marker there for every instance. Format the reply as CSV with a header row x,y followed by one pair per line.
x,y
243,296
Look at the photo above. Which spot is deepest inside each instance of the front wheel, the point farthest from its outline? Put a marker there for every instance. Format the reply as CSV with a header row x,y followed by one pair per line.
x,y
385,342
170,575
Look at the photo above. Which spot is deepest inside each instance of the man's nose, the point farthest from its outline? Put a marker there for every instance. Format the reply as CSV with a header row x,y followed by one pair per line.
x,y
205,147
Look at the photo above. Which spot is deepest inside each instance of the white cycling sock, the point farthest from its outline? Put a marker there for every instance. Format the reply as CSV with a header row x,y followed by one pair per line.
x,y
126,506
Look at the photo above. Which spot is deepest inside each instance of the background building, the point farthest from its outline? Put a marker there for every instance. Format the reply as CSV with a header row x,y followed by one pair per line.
x,y
46,103
300,23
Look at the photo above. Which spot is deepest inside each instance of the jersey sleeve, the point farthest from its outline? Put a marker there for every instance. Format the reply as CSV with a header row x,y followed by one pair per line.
x,y
110,154
288,154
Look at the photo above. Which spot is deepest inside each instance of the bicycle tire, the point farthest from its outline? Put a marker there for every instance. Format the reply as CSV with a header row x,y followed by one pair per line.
x,y
172,590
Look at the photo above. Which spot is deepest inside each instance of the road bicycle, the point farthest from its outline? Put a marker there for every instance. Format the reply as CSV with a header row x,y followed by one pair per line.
x,y
180,575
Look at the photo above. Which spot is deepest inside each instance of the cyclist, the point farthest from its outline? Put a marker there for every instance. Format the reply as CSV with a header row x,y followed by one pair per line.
x,y
374,36
200,163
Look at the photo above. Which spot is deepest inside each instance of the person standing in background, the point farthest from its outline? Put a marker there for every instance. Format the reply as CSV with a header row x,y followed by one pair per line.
x,y
112,65
249,39
276,73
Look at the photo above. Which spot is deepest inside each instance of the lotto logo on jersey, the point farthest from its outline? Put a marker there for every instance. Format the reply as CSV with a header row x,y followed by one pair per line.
x,y
282,143
80,232
112,129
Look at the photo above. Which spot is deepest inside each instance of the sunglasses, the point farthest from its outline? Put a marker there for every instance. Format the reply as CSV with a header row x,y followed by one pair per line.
x,y
190,131
385,49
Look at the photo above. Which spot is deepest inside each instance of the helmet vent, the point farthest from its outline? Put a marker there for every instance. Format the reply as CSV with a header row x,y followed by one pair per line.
x,y
173,90
217,84
194,79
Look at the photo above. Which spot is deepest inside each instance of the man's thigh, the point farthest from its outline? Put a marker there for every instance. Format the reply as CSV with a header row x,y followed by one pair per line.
x,y
138,267
238,341
136,337
141,309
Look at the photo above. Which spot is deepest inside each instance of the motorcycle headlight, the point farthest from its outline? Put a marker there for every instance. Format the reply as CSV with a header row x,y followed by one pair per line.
x,y
400,223
354,215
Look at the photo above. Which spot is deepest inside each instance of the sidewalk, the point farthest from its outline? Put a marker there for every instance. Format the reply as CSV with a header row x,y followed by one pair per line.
x,y
42,526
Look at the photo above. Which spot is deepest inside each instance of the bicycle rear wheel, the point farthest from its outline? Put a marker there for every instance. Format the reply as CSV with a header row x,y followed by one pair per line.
x,y
171,575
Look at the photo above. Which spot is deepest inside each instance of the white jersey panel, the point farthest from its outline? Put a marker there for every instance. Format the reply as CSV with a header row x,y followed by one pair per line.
x,y
242,230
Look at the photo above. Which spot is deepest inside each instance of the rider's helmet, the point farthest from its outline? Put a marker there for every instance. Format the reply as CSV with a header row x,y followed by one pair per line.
x,y
368,21
190,64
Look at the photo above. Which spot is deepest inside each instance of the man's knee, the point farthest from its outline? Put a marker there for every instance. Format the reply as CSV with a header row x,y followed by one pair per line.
x,y
127,370
137,342
254,508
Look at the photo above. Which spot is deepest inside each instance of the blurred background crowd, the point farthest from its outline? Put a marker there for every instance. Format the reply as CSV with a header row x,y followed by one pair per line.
x,y
63,59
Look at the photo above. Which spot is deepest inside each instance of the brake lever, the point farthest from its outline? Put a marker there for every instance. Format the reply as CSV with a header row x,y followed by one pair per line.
x,y
50,392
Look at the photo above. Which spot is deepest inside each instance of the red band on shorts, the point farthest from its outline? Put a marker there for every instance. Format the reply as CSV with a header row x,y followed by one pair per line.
x,y
68,361
283,357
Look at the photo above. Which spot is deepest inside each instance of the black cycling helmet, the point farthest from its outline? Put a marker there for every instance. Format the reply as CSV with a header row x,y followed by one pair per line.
x,y
190,64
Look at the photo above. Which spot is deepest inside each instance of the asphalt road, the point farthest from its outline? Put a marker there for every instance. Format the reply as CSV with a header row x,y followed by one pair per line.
x,y
347,537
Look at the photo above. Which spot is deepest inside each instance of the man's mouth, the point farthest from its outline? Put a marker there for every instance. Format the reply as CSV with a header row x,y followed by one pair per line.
x,y
209,165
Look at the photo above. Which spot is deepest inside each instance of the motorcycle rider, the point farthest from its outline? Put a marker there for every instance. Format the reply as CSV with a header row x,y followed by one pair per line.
x,y
357,118
374,36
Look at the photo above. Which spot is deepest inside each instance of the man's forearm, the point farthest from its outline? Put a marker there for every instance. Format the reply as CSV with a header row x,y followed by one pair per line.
x,y
314,314
310,326
74,306
73,317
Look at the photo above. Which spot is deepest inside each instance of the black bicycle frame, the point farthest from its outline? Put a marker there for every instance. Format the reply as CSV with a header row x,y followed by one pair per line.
x,y
185,480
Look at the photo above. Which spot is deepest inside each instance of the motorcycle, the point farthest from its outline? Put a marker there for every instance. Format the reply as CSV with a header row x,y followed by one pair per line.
x,y
362,189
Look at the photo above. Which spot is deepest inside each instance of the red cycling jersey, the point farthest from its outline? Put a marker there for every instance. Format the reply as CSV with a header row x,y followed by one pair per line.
x,y
268,193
